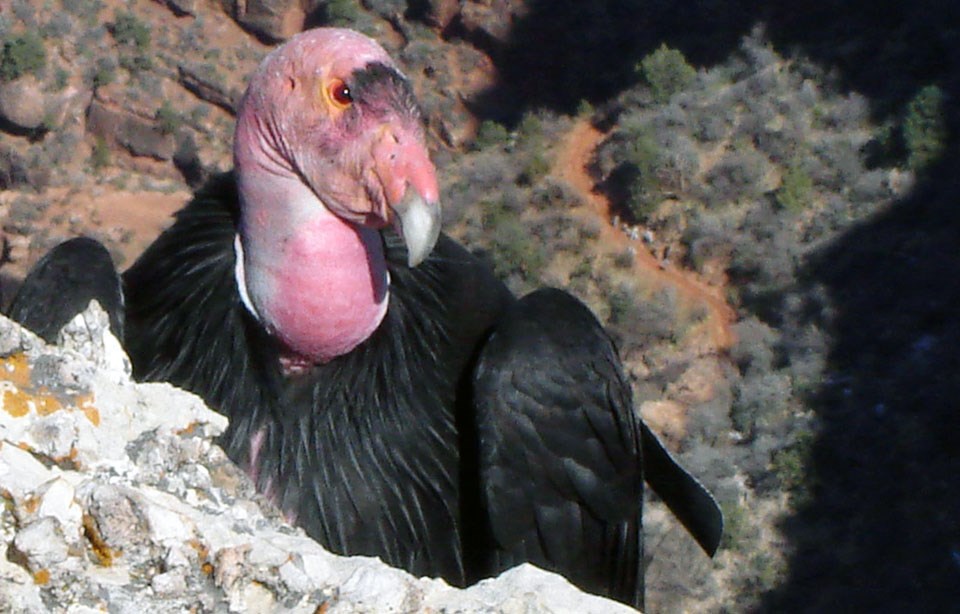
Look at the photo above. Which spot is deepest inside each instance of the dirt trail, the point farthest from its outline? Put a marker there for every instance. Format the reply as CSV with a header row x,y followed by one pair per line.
x,y
571,165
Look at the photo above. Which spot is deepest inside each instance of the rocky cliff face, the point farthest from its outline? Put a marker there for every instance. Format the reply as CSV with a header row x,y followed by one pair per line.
x,y
117,498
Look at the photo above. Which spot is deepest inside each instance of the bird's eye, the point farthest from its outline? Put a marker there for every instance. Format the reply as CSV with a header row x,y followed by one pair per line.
x,y
340,94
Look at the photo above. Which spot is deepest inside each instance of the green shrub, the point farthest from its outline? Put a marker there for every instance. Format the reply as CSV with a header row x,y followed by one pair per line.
x,y
583,268
88,10
584,108
623,305
767,571
736,178
490,134
133,36
625,258
761,400
342,12
105,73
737,531
644,154
199,113
48,124
128,30
135,63
924,127
530,130
530,139
100,157
513,249
515,252
168,120
58,27
667,72
796,190
535,168
792,464
60,78
21,55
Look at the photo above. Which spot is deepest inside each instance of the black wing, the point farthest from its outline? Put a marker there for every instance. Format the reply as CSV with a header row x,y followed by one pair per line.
x,y
63,283
559,448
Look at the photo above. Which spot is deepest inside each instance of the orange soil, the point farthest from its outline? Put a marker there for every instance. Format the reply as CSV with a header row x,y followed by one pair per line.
x,y
132,219
571,165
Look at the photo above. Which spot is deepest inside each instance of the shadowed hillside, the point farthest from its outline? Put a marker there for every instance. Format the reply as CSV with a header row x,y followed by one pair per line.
x,y
880,531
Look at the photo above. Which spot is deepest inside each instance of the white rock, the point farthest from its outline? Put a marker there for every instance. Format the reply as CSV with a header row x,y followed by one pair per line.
x,y
14,338
19,594
368,587
175,558
42,543
165,519
168,528
253,598
527,584
89,335
54,436
20,471
58,500
173,582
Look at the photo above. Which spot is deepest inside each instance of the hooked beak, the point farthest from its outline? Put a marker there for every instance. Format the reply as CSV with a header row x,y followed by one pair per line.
x,y
418,223
409,181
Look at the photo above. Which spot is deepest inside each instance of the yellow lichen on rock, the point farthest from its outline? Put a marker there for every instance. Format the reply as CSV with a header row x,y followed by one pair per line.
x,y
16,369
19,399
17,403
84,403
46,403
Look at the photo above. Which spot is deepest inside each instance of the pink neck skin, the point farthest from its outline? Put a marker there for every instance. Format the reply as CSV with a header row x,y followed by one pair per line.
x,y
318,283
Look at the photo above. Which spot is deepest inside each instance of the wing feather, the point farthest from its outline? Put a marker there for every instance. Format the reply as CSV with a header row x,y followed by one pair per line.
x,y
63,283
559,447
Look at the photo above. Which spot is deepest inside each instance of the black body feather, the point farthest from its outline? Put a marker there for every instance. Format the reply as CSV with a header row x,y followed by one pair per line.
x,y
471,432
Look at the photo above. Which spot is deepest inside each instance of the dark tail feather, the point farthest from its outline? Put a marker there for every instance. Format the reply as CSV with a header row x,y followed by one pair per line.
x,y
687,498
62,284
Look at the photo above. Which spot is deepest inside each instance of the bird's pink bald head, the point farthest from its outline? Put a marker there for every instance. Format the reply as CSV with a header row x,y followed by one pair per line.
x,y
331,106
310,58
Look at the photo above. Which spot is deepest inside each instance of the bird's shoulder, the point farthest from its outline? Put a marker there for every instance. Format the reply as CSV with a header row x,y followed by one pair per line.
x,y
453,289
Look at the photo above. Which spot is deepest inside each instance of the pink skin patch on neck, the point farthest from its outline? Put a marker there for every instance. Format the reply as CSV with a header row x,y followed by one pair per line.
x,y
331,290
